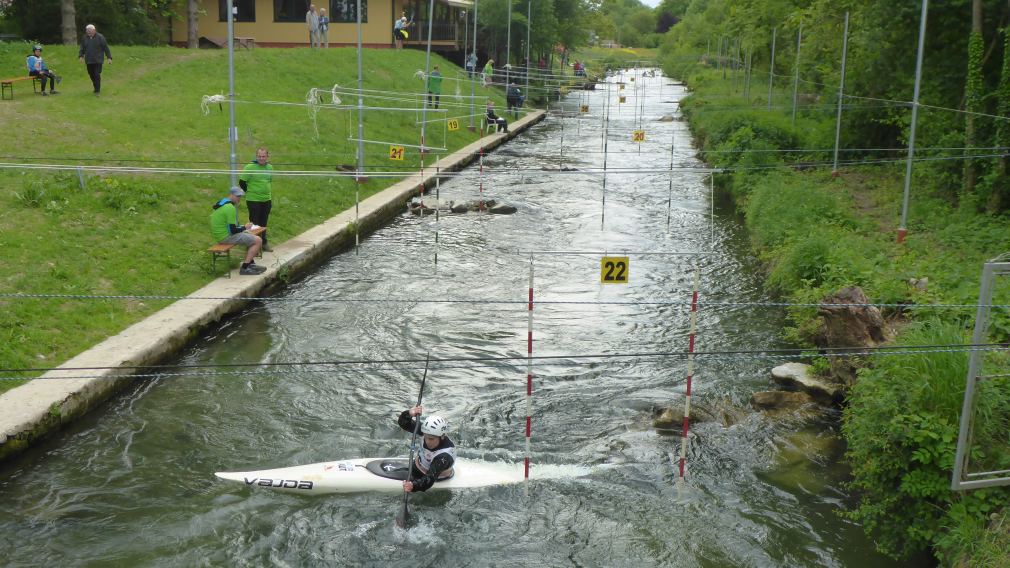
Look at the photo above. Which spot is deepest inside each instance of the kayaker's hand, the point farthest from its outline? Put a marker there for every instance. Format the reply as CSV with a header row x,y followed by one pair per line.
x,y
408,486
416,411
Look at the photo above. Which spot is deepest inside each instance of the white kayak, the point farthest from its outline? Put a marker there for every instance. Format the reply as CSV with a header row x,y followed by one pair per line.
x,y
387,475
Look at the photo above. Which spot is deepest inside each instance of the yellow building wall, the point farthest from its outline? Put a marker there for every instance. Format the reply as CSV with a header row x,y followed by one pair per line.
x,y
377,31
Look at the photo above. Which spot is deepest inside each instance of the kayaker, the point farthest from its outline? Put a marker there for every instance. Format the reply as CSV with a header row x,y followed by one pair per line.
x,y
437,453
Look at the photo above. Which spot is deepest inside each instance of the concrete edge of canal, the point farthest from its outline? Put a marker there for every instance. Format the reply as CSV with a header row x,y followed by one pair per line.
x,y
31,411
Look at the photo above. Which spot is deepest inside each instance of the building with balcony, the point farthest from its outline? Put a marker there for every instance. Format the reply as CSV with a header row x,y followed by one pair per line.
x,y
281,23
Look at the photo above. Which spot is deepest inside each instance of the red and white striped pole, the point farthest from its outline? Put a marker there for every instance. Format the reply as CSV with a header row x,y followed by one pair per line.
x,y
529,371
690,376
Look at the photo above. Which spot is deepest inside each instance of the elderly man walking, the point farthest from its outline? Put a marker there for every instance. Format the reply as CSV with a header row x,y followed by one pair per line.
x,y
93,48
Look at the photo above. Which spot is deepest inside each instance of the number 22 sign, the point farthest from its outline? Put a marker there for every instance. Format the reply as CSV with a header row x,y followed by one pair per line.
x,y
614,270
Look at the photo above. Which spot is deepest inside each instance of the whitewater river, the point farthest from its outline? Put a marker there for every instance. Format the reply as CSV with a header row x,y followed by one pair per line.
x,y
133,483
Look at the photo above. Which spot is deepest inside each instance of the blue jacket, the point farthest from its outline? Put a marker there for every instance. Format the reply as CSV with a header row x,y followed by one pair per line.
x,y
33,60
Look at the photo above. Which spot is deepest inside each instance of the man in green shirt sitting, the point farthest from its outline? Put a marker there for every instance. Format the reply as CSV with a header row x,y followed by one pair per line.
x,y
225,229
257,181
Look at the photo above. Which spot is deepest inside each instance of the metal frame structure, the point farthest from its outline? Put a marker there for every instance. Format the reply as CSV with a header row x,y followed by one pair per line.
x,y
962,478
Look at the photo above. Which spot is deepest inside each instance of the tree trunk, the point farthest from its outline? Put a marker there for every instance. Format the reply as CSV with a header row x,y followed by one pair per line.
x,y
69,22
192,17
973,95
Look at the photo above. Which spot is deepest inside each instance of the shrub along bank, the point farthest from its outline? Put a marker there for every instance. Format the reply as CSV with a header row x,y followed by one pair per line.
x,y
146,233
816,233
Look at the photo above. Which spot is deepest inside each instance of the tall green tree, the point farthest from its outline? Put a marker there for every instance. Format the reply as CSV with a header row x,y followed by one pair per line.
x,y
973,94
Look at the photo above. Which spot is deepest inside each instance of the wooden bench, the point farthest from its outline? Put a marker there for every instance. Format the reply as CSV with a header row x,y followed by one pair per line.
x,y
7,85
221,250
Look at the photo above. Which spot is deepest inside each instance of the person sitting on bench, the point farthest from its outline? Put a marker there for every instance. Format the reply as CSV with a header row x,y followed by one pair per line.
x,y
37,68
225,229
492,118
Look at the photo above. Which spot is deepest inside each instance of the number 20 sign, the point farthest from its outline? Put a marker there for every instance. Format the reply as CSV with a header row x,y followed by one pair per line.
x,y
614,270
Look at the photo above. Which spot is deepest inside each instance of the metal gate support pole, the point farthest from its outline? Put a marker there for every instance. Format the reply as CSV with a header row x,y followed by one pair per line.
x,y
796,74
771,70
841,91
902,230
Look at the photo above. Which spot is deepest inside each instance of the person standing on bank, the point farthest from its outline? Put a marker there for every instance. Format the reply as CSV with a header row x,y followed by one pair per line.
x,y
324,29
257,181
226,230
437,453
312,21
434,87
93,48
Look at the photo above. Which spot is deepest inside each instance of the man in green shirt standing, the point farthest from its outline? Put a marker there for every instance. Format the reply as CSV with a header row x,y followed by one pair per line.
x,y
257,181
434,87
225,229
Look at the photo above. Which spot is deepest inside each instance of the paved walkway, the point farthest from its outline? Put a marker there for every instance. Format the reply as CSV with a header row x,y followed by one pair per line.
x,y
29,412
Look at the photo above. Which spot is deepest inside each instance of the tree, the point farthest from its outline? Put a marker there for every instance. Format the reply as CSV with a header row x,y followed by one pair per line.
x,y
973,92
68,18
192,17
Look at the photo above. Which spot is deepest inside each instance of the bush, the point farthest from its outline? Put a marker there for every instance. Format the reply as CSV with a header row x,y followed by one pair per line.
x,y
33,193
901,425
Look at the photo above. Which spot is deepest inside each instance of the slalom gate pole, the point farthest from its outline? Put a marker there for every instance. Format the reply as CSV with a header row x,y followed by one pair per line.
x,y
438,203
690,377
529,374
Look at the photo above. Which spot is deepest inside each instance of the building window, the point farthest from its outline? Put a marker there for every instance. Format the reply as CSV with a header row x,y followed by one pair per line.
x,y
245,10
345,11
290,10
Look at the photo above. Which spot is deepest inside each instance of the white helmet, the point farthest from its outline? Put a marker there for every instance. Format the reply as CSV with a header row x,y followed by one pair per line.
x,y
435,426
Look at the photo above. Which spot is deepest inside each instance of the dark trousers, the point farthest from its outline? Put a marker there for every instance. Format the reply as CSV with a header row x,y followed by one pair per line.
x,y
259,212
43,75
95,72
433,100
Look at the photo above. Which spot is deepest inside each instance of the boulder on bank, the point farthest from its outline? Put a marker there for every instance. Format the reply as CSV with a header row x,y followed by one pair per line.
x,y
797,377
848,322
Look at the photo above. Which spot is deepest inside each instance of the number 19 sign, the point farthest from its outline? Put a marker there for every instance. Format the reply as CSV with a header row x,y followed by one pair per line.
x,y
614,270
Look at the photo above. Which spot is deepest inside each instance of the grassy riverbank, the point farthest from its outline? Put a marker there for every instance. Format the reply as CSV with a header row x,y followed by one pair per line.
x,y
817,233
145,233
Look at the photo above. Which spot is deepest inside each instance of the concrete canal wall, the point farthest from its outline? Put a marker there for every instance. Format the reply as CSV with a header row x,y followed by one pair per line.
x,y
31,411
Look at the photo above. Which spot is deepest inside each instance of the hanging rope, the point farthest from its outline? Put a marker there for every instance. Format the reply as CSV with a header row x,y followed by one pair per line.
x,y
209,100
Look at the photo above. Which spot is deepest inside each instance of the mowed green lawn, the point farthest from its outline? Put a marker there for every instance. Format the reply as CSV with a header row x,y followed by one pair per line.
x,y
145,232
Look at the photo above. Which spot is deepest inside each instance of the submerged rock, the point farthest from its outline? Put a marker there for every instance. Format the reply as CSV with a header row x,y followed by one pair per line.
x,y
666,118
672,418
784,401
502,209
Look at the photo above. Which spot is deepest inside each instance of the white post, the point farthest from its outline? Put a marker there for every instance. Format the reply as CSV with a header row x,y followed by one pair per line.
x,y
473,80
508,43
232,132
529,20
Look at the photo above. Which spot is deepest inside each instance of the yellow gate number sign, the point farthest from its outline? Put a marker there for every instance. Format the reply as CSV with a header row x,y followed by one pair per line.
x,y
622,99
621,87
453,125
638,136
614,270
583,108
396,153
